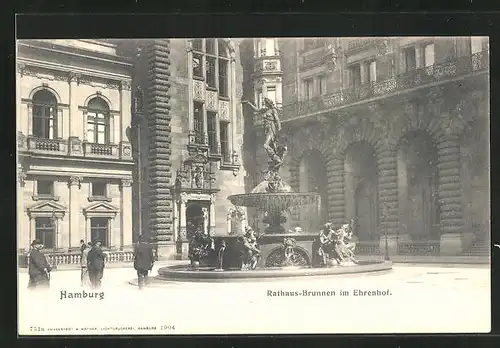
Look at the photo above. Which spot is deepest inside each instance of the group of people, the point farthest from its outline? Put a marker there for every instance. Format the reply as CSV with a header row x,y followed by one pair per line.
x,y
92,261
336,244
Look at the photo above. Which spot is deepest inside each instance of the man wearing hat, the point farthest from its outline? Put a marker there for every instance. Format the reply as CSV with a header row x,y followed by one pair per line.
x,y
95,264
39,269
143,260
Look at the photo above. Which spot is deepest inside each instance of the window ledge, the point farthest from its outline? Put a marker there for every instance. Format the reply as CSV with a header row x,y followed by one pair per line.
x,y
226,98
211,88
45,197
199,78
99,199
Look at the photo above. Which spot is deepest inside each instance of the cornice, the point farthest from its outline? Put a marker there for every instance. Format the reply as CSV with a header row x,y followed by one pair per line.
x,y
27,67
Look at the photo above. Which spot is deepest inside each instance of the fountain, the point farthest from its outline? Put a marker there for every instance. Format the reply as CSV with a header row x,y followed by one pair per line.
x,y
275,253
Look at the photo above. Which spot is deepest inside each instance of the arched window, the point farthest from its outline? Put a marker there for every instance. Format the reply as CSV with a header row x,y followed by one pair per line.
x,y
98,121
44,115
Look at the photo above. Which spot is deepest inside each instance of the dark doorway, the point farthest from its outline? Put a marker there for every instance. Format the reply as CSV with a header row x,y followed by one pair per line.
x,y
197,218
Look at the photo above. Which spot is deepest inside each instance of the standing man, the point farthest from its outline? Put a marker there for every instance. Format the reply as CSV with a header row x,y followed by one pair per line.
x,y
38,269
143,260
95,264
83,263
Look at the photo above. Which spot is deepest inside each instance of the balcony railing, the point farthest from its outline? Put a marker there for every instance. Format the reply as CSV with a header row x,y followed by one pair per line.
x,y
412,79
100,150
43,145
357,44
74,258
418,248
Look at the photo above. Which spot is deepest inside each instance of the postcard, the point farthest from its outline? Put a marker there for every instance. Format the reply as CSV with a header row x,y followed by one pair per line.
x,y
253,186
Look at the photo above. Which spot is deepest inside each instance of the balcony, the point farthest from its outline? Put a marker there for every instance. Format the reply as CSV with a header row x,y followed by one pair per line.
x,y
267,65
100,150
72,147
414,79
361,44
313,58
45,146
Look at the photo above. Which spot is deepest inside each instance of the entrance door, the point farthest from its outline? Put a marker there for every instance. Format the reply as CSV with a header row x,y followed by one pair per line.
x,y
197,218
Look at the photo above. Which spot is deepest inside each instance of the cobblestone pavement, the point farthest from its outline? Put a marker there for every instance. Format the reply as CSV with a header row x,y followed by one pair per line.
x,y
411,299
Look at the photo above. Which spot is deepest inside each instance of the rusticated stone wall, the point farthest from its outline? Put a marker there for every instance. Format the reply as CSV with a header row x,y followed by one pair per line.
x,y
157,99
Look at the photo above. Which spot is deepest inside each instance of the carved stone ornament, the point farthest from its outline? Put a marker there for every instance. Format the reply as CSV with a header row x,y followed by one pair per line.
x,y
125,85
224,110
74,77
21,177
183,198
211,101
213,198
126,182
198,90
76,181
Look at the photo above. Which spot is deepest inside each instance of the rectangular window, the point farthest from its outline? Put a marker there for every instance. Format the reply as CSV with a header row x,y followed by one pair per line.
x,y
429,55
223,80
212,131
308,89
270,49
410,58
45,231
322,85
99,189
198,44
99,230
271,93
44,122
197,65
224,142
355,76
211,71
210,48
198,123
45,188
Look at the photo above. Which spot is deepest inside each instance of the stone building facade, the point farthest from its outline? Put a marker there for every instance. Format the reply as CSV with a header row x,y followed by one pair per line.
x,y
188,137
74,153
393,133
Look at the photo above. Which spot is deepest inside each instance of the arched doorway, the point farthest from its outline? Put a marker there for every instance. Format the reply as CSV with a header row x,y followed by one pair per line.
x,y
418,187
361,190
196,219
312,178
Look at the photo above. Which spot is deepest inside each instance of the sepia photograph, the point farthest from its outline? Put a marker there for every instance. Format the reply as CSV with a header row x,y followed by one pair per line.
x,y
314,185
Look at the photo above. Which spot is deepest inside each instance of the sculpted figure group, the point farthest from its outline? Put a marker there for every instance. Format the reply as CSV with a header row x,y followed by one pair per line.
x,y
336,245
251,252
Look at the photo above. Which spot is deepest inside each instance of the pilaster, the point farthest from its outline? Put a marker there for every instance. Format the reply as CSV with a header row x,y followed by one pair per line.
x,y
75,234
74,128
388,189
336,200
125,109
126,228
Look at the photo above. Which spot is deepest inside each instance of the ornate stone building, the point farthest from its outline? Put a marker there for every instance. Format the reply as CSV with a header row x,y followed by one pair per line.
x,y
393,133
188,136
74,153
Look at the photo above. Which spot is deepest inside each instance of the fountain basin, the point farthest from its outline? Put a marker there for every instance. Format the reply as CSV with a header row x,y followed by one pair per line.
x,y
274,203
208,274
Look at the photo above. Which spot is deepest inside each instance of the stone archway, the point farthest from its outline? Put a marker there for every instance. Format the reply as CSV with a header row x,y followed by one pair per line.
x,y
418,185
361,190
313,178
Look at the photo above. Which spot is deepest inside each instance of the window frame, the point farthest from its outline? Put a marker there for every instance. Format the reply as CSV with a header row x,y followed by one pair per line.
x,y
48,123
105,241
94,121
224,129
40,232
44,195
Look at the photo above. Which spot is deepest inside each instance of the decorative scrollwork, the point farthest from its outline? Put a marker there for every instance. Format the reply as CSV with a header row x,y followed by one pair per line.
x,y
288,255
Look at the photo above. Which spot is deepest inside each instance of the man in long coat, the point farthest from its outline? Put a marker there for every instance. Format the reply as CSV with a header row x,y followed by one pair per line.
x,y
95,264
38,268
143,260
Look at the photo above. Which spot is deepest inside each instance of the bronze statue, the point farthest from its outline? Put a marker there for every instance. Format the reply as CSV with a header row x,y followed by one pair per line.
x,y
272,129
251,252
220,256
336,245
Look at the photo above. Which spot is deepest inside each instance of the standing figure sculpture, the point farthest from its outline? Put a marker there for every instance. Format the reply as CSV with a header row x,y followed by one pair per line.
x,y
251,253
272,129
326,249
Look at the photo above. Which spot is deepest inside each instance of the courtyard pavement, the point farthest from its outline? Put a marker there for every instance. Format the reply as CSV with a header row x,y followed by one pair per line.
x,y
409,299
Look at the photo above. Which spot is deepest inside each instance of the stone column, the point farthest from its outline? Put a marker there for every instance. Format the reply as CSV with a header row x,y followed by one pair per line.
x,y
28,116
125,108
388,196
336,200
450,195
126,214
157,102
59,236
182,226
211,228
75,234
234,113
74,127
